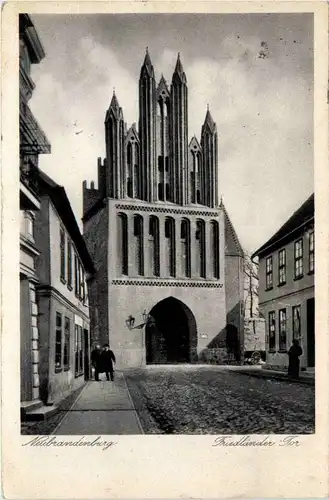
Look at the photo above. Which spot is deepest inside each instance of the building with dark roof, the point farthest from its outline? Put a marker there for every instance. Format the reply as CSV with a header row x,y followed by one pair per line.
x,y
33,142
64,268
286,287
169,265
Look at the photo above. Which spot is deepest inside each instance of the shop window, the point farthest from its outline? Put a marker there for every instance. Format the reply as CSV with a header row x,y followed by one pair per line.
x,y
58,342
67,332
296,325
282,330
271,331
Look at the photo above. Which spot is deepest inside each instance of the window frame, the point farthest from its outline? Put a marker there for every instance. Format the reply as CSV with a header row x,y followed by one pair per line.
x,y
282,267
69,263
298,259
311,253
269,273
62,245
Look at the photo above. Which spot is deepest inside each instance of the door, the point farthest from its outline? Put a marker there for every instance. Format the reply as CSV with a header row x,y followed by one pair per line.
x,y
310,333
87,354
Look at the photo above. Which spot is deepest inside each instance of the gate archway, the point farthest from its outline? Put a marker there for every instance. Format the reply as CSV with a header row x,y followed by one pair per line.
x,y
173,336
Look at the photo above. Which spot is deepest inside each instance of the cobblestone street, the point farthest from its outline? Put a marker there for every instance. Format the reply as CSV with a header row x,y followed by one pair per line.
x,y
212,401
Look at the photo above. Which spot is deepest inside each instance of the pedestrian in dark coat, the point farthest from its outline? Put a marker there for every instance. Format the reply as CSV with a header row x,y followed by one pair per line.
x,y
96,360
294,352
107,361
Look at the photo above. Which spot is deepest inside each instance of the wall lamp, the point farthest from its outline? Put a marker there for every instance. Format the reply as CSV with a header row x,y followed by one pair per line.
x,y
147,319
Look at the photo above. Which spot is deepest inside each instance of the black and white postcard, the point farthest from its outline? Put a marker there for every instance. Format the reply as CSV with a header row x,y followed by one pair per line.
x,y
165,249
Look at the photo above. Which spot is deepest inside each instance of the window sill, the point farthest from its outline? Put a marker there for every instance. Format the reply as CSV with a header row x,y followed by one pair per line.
x,y
66,368
282,284
269,288
310,273
79,375
282,351
63,280
70,287
58,370
272,351
299,277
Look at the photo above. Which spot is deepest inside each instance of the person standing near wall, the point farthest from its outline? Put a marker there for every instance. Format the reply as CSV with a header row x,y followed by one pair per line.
x,y
96,360
294,353
107,360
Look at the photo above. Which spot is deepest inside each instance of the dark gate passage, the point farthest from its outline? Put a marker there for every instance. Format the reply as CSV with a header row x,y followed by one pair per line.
x,y
174,336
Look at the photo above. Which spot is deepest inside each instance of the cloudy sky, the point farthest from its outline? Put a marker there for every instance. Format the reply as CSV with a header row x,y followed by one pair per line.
x,y
255,71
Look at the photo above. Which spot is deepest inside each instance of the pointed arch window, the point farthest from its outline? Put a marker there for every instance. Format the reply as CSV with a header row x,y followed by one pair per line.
x,y
122,248
170,250
214,248
200,248
198,178
185,247
154,247
130,170
136,172
139,246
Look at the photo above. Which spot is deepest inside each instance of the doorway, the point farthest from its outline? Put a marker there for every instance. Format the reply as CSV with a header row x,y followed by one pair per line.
x,y
173,336
310,305
87,365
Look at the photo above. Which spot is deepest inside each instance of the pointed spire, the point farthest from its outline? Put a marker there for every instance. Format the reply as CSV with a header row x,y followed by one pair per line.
x,y
162,87
114,102
179,71
147,64
114,107
209,121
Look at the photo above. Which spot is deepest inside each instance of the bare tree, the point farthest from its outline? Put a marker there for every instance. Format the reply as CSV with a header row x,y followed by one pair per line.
x,y
251,286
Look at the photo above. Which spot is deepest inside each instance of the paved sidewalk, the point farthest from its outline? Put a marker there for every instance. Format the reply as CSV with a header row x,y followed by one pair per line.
x,y
102,408
304,378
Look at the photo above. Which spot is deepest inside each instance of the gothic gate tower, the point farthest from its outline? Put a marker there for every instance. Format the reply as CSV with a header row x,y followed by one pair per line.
x,y
162,244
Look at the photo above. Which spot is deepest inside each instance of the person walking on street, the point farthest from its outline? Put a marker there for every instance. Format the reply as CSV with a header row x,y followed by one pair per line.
x,y
96,361
108,359
294,352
